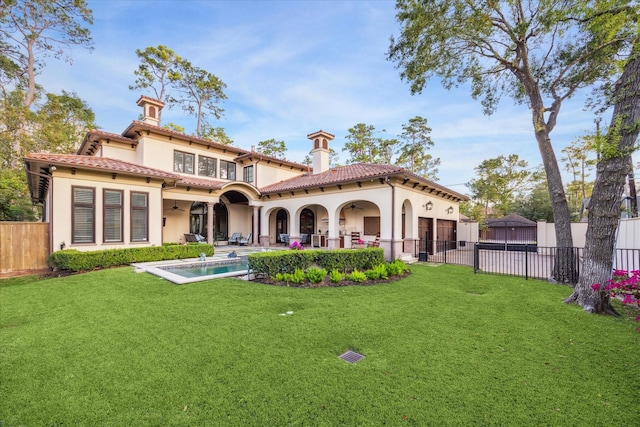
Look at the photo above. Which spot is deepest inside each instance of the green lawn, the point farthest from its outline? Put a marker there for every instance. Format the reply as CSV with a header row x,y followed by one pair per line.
x,y
442,347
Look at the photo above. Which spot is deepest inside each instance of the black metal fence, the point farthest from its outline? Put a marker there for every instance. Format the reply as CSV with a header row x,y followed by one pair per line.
x,y
513,259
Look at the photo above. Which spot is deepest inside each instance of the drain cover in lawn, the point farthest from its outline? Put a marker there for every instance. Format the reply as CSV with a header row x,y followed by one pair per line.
x,y
351,356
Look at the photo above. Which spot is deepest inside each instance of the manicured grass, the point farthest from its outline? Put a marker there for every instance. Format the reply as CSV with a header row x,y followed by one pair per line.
x,y
442,347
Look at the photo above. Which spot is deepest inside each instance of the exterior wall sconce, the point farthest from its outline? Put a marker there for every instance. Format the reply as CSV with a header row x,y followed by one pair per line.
x,y
429,206
450,210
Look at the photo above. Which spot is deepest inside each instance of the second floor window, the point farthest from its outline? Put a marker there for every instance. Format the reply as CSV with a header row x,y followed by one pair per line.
x,y
227,170
207,166
183,162
247,174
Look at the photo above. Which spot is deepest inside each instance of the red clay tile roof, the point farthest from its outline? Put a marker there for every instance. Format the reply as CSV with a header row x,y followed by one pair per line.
x,y
95,135
349,173
99,163
201,182
353,173
257,155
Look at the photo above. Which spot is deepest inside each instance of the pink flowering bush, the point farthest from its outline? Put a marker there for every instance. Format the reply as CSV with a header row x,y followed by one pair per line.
x,y
625,284
360,242
295,245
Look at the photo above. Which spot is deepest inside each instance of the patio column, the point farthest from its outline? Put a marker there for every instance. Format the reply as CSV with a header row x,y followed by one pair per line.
x,y
256,221
210,235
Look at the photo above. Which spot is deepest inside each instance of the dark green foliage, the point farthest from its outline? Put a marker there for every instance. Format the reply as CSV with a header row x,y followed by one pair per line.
x,y
74,260
268,264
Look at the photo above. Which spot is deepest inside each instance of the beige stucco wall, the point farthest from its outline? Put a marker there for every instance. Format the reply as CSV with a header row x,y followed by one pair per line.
x,y
372,199
627,236
118,150
157,152
61,195
269,173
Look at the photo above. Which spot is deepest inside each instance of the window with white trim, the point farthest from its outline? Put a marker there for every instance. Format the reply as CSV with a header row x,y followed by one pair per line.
x,y
207,166
227,170
247,174
183,162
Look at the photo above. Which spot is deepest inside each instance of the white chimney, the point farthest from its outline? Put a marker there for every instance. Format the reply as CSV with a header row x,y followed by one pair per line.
x,y
151,109
320,150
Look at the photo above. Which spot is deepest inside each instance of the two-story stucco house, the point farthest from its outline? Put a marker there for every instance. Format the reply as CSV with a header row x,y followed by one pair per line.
x,y
149,185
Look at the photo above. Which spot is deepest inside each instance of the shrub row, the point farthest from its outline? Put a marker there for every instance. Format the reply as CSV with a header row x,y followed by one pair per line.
x,y
268,264
74,260
315,275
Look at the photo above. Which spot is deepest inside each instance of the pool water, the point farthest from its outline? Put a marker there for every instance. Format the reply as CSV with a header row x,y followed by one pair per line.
x,y
239,266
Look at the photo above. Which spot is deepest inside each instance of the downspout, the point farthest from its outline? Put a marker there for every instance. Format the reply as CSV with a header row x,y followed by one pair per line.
x,y
393,216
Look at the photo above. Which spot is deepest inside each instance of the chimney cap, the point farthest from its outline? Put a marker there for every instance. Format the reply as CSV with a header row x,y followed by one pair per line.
x,y
147,100
321,133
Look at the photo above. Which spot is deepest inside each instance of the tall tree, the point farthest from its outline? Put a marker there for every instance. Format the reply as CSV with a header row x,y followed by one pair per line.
x,y
540,53
361,144
31,30
499,181
388,149
579,159
15,204
604,208
416,136
200,94
215,134
61,122
271,147
159,68
536,204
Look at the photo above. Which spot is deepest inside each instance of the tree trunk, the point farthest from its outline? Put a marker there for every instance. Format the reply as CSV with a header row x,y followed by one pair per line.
x,y
564,270
604,208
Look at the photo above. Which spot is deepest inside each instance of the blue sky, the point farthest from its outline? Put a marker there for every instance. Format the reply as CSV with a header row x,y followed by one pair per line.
x,y
292,68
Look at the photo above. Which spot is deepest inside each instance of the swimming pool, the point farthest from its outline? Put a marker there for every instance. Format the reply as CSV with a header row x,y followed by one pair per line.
x,y
195,271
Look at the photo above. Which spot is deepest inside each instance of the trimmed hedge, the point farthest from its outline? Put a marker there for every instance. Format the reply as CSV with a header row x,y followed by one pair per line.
x,y
74,260
269,264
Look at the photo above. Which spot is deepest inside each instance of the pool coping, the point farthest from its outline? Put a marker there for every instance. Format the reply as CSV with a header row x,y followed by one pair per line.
x,y
156,267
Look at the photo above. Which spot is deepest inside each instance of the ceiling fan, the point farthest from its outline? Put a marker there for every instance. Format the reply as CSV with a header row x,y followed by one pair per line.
x,y
354,207
175,207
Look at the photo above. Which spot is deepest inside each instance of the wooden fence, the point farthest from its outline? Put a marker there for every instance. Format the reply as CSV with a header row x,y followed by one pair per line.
x,y
24,248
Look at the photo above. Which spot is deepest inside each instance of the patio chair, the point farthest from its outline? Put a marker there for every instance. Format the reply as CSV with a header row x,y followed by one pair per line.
x,y
375,243
284,238
304,239
355,236
200,238
190,238
246,240
235,238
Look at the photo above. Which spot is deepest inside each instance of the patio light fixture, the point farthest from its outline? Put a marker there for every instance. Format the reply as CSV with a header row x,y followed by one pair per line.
x,y
450,210
429,205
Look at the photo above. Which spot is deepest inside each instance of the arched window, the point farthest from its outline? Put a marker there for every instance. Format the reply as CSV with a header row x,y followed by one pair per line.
x,y
152,112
